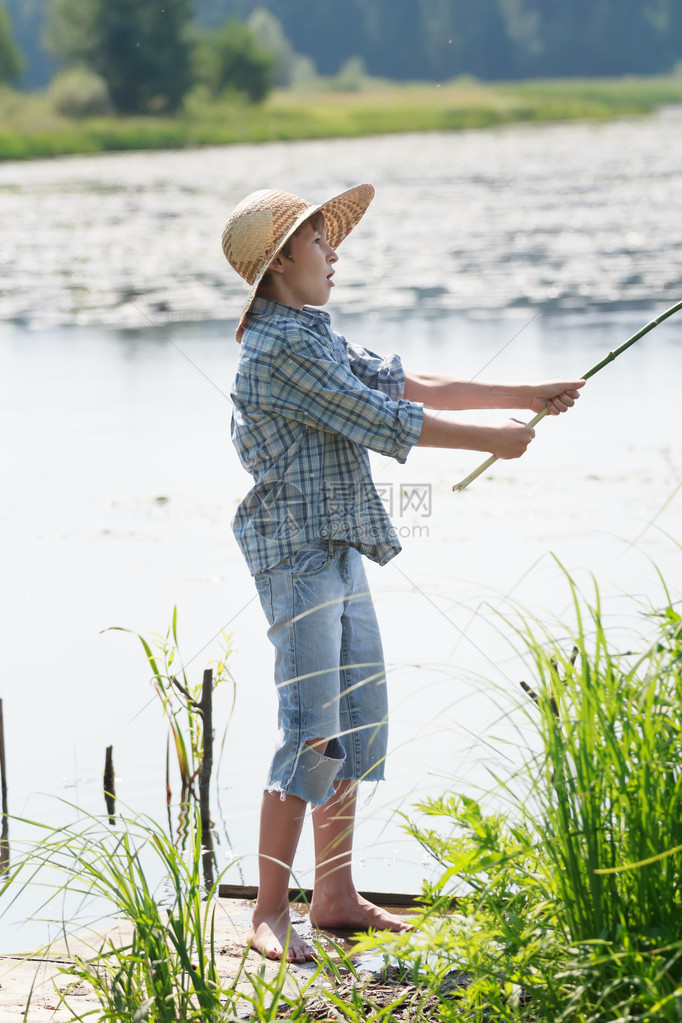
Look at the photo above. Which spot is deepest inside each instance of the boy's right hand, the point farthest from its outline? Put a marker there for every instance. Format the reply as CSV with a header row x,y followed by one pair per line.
x,y
510,439
506,440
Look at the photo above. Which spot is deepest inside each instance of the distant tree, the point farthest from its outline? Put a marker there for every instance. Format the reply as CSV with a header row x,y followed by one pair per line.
x,y
670,15
231,58
587,37
27,18
11,57
402,39
427,39
489,38
466,37
389,38
144,53
141,48
290,68
320,29
69,30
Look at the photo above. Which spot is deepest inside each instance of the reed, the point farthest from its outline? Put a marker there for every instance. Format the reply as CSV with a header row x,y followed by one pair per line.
x,y
610,823
572,900
162,965
610,804
181,701
166,970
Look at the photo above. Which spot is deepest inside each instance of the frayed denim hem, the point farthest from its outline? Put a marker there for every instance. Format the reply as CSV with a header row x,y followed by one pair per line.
x,y
313,774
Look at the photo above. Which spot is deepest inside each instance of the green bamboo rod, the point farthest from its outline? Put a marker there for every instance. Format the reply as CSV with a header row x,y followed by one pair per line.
x,y
590,373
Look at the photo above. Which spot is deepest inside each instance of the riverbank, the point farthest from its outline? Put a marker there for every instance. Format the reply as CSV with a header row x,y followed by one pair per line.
x,y
33,984
31,127
47,984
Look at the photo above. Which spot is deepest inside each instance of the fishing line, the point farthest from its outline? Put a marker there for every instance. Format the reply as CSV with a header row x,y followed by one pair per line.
x,y
656,516
449,619
213,384
470,380
462,633
179,350
503,597
170,341
222,630
504,346
586,376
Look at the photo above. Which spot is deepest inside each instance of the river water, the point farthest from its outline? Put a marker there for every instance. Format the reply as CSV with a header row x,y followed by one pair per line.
x,y
521,253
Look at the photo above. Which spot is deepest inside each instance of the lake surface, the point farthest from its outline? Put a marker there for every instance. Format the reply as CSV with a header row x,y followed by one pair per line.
x,y
523,253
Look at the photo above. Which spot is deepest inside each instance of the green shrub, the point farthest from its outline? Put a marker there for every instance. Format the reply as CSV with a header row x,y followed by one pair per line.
x,y
229,59
352,76
78,93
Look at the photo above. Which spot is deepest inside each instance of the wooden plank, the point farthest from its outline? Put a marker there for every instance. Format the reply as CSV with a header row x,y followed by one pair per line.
x,y
250,891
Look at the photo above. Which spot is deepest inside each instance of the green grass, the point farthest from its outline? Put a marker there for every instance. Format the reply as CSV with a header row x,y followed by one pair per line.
x,y
32,128
162,965
166,971
571,902
181,699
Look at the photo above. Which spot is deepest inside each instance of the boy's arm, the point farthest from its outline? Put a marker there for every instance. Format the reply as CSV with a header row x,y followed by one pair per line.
x,y
309,386
440,392
505,440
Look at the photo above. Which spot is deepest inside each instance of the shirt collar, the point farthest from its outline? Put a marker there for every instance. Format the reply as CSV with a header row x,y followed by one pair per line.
x,y
309,315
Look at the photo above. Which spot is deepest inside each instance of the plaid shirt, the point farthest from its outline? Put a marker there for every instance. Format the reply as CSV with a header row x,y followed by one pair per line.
x,y
307,404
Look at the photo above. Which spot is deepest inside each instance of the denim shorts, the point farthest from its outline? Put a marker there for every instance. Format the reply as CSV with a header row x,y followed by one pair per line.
x,y
329,671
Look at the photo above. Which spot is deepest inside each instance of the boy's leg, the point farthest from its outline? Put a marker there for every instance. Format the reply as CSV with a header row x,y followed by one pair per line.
x,y
303,601
320,617
336,902
280,828
362,711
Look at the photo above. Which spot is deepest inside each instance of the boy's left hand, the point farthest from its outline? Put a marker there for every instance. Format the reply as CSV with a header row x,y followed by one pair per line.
x,y
554,395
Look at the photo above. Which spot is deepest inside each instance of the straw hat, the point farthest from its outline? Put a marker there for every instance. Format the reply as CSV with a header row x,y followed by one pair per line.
x,y
265,220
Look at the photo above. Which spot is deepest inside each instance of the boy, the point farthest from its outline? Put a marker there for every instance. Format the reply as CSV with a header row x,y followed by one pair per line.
x,y
307,405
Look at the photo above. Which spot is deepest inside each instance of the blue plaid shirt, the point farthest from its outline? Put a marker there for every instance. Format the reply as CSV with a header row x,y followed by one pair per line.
x,y
307,405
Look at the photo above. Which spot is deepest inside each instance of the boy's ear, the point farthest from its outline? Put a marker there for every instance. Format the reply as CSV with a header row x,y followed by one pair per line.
x,y
277,265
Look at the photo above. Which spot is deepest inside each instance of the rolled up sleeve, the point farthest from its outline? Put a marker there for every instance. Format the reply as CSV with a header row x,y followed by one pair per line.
x,y
310,387
375,371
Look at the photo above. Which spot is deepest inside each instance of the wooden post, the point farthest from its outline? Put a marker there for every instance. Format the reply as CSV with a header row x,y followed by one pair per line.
x,y
109,790
206,706
4,834
206,711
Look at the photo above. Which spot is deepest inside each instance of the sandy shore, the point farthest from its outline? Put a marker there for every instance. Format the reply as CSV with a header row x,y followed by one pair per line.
x,y
31,983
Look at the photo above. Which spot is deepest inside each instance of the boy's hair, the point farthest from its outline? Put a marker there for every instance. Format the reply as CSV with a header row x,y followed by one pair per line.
x,y
316,221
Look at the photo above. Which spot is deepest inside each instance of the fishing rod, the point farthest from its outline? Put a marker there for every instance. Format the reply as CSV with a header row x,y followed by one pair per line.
x,y
590,373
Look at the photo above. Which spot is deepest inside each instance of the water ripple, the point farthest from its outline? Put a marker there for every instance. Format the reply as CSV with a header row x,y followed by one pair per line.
x,y
560,215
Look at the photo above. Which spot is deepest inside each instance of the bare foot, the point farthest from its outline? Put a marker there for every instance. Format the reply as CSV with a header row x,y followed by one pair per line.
x,y
354,913
272,935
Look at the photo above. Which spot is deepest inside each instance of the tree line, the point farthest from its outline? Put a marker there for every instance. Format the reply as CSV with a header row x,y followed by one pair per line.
x,y
150,52
134,56
490,39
